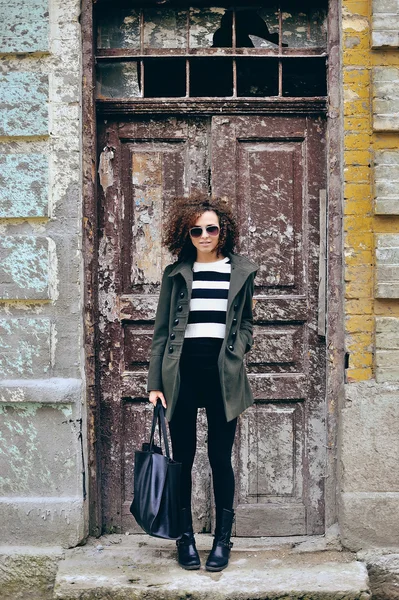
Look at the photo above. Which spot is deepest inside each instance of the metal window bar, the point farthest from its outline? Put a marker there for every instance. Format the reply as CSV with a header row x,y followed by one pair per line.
x,y
142,78
280,49
234,44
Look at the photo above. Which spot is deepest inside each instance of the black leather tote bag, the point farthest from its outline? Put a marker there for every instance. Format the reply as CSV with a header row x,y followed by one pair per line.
x,y
156,501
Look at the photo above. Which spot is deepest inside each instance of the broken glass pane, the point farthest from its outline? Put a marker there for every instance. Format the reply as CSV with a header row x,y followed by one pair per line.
x,y
204,25
211,77
165,28
264,30
304,77
118,79
165,78
257,77
119,29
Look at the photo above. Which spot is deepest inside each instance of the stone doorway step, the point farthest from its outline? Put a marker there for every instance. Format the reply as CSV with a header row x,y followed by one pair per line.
x,y
122,567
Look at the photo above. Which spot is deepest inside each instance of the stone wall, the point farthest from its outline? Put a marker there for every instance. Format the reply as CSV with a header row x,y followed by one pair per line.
x,y
42,424
369,435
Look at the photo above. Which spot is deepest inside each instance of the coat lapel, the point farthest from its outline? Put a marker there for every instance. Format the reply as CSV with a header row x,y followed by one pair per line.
x,y
241,268
185,269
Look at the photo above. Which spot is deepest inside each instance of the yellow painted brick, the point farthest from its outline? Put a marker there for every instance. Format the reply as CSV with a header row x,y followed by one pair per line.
x,y
381,59
363,306
359,273
357,141
356,56
359,289
386,141
353,375
355,123
359,241
357,191
357,174
356,258
359,40
362,223
356,75
360,342
357,7
386,224
354,91
358,207
359,323
387,308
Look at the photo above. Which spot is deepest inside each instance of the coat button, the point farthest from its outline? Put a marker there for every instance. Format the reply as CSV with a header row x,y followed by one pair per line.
x,y
172,336
234,334
234,321
235,306
170,349
176,322
179,308
230,348
181,294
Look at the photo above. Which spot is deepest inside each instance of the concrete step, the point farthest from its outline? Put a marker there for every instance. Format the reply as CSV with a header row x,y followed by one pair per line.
x,y
144,568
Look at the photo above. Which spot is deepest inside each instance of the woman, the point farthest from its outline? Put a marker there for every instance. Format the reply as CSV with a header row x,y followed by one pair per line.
x,y
203,328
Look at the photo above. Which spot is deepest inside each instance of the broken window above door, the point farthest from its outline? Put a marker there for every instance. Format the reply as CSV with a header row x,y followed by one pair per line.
x,y
182,48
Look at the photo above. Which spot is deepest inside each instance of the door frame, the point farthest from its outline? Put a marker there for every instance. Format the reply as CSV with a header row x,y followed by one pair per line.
x,y
335,350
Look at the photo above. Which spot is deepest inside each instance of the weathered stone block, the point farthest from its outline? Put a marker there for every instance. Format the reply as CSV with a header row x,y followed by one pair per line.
x,y
387,349
28,572
39,521
370,438
387,266
24,26
24,104
31,464
28,268
386,98
23,185
56,390
385,23
369,520
384,576
386,182
369,482
25,347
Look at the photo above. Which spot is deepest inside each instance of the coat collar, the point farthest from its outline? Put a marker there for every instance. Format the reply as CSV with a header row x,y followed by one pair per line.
x,y
237,262
241,268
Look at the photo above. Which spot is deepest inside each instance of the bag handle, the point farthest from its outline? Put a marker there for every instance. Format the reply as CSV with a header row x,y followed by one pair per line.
x,y
159,417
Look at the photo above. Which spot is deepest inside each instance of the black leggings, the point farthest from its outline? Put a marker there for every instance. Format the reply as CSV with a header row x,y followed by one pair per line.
x,y
200,386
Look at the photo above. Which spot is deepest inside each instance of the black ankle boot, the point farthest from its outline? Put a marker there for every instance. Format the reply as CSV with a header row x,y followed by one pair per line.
x,y
187,554
218,558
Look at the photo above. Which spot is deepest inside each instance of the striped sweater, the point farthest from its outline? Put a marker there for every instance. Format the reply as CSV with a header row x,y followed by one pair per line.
x,y
208,304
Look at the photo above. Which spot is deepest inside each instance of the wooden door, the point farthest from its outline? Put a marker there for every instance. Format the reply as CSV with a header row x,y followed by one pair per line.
x,y
272,169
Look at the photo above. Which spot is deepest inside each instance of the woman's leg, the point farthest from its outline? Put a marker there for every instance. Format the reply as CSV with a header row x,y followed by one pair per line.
x,y
220,445
183,433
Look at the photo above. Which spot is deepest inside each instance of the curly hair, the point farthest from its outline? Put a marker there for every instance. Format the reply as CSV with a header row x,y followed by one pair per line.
x,y
182,216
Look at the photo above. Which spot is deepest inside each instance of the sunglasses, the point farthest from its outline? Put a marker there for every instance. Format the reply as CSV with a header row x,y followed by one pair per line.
x,y
212,230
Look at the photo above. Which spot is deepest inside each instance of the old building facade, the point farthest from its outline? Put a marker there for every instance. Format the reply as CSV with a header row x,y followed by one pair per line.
x,y
108,111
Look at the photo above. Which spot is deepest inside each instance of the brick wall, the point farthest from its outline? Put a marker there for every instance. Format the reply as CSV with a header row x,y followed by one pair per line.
x,y
369,417
41,488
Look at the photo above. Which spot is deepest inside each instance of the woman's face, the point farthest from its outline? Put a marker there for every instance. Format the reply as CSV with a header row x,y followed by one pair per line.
x,y
206,244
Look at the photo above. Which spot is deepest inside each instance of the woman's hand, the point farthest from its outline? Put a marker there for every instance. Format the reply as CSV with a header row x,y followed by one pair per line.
x,y
154,395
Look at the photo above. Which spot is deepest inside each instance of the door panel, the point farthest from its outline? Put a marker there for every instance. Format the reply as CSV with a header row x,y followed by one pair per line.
x,y
271,169
144,163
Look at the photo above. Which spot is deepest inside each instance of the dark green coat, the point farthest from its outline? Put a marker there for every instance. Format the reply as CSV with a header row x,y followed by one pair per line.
x,y
170,325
